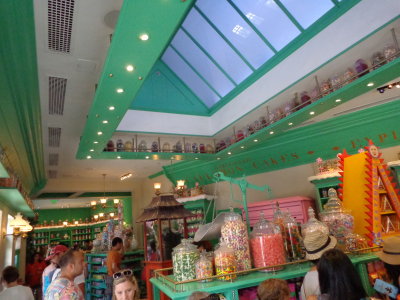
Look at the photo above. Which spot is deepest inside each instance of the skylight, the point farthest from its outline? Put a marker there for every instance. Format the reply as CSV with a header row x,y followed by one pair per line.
x,y
221,43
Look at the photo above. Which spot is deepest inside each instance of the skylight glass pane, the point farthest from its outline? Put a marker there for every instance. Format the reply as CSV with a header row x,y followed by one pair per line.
x,y
188,76
198,60
306,12
270,20
236,30
215,45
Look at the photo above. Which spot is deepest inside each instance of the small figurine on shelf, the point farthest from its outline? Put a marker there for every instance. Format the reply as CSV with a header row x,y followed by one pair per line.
x,y
142,146
166,147
195,148
120,145
110,146
202,148
154,147
128,146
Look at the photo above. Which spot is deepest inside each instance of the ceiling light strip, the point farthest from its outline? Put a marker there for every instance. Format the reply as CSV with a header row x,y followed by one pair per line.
x,y
255,29
224,38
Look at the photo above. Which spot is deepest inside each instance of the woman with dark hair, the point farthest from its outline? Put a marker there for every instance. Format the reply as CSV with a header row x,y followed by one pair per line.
x,y
338,278
390,255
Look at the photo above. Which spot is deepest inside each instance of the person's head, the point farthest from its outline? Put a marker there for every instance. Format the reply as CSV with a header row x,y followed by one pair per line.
x,y
72,263
10,275
390,255
125,286
198,295
56,253
36,257
117,243
273,289
316,243
338,277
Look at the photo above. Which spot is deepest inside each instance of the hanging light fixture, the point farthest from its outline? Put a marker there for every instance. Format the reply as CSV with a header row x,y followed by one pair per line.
x,y
157,188
20,225
180,184
116,202
93,204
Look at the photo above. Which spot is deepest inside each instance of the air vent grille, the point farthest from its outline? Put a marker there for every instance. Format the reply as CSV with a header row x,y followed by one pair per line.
x,y
59,19
57,88
54,136
52,173
53,159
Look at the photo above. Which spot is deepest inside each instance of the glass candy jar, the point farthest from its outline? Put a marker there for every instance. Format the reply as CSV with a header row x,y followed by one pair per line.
x,y
266,244
361,67
293,240
389,53
234,233
313,224
184,257
377,60
225,262
204,267
339,220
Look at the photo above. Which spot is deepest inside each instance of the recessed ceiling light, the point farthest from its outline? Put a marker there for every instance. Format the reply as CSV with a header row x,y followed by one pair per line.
x,y
147,157
105,122
130,68
255,141
338,100
172,157
91,150
312,113
370,84
290,124
271,132
88,157
218,158
118,157
144,37
119,91
111,107
229,153
242,147
95,142
196,158
99,133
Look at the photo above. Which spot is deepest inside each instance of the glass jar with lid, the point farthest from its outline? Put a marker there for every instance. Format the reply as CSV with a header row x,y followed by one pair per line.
x,y
225,261
313,224
339,220
266,244
204,267
184,257
234,233
293,239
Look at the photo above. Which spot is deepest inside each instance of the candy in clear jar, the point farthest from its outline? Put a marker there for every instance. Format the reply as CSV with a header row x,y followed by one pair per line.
x,y
184,257
234,233
313,224
293,239
325,87
225,262
361,67
389,53
339,220
266,244
204,267
354,242
336,82
377,60
348,76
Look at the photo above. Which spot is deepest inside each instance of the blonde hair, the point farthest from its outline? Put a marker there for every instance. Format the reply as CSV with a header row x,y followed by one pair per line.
x,y
123,279
273,289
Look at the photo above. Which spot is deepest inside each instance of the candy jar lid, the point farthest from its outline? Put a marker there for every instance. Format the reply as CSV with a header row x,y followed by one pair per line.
x,y
278,214
223,248
313,224
333,204
232,216
289,219
264,226
185,246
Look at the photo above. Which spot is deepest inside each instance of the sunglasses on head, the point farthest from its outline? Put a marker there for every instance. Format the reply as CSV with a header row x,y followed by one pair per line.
x,y
123,273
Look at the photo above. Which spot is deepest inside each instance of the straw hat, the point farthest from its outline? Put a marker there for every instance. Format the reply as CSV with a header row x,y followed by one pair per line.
x,y
391,251
316,243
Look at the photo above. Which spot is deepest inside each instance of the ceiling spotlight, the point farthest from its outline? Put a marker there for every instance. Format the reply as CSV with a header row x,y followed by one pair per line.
x,y
241,147
229,153
398,85
147,157
338,100
99,133
88,157
130,68
271,132
312,113
218,158
126,176
381,90
370,84
390,86
290,124
196,158
255,141
95,142
119,91
111,108
105,122
144,37
91,150
119,157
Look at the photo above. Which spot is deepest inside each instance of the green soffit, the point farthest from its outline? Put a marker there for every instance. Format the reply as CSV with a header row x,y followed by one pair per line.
x,y
302,145
20,119
164,91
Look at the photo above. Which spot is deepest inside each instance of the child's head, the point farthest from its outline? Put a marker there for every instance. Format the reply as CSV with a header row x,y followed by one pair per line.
x,y
273,289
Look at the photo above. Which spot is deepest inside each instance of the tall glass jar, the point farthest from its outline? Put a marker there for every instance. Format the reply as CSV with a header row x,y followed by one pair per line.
x,y
234,233
266,244
204,267
184,257
338,219
313,224
225,262
293,239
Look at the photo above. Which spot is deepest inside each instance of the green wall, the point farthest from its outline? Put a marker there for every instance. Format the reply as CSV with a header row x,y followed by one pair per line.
x,y
63,214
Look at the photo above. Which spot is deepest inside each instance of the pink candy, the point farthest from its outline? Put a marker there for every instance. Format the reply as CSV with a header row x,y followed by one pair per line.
x,y
267,250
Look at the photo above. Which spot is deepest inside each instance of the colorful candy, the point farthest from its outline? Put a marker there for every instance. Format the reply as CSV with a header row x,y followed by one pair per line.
x,y
204,268
267,250
225,262
184,258
234,233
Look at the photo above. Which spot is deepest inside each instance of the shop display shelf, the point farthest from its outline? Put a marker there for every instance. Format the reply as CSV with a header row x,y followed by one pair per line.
x,y
41,244
100,287
81,233
390,212
96,295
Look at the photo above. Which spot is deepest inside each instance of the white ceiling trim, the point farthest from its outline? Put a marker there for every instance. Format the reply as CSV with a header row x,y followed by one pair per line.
x,y
360,21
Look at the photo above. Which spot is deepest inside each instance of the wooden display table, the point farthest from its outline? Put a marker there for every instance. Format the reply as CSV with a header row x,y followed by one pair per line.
x,y
230,289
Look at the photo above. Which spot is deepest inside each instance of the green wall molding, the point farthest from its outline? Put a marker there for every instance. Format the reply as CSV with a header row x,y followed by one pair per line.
x,y
302,145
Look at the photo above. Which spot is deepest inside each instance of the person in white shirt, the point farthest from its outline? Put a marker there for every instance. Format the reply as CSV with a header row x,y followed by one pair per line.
x,y
13,290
